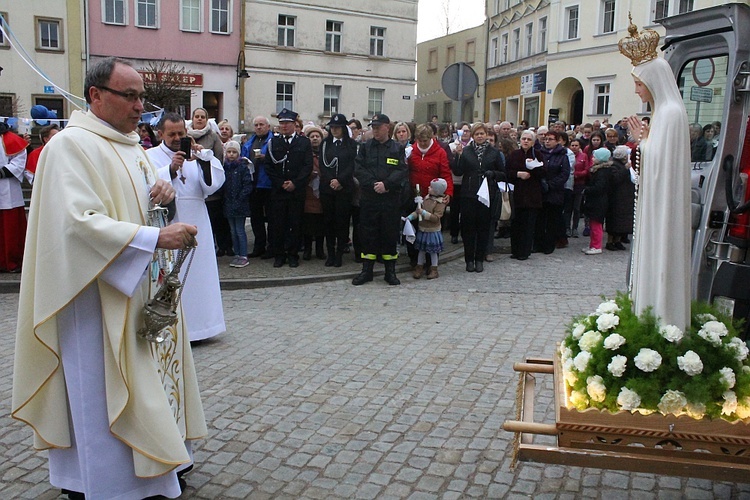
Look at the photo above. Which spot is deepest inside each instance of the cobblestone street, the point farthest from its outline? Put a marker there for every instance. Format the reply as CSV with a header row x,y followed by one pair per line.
x,y
327,390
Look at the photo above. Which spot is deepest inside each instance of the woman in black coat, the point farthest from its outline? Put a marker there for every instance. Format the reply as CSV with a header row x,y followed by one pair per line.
x,y
550,224
477,161
337,154
621,201
526,176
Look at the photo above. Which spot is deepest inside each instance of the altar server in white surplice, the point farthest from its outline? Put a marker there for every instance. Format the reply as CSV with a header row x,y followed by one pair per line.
x,y
115,411
193,180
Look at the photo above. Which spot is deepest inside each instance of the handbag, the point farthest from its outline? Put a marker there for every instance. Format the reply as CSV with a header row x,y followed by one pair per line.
x,y
505,208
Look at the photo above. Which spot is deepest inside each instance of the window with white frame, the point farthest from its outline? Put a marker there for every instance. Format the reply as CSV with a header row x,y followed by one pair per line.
x,y
601,94
542,34
146,13
516,44
665,8
529,39
504,49
190,15
3,41
113,11
220,19
660,10
608,16
377,41
49,34
571,22
6,100
284,95
375,101
331,96
685,6
506,4
493,52
333,36
496,4
286,30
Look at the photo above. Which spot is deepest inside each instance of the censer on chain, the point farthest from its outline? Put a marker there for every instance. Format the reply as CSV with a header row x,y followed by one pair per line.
x,y
160,313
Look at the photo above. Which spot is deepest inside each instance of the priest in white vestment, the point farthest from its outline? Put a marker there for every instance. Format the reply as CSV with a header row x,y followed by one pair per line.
x,y
115,411
201,297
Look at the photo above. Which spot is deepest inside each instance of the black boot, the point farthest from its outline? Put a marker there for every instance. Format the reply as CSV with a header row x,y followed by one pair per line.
x,y
330,261
390,273
307,252
338,259
366,274
319,253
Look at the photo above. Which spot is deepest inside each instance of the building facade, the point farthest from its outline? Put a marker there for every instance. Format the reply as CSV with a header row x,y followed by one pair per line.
x,y
319,60
48,40
588,78
433,57
517,40
199,39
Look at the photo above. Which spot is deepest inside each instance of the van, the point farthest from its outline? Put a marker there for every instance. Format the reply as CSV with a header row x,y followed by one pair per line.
x,y
709,54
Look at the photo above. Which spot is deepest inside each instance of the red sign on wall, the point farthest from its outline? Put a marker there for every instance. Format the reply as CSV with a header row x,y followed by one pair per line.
x,y
184,79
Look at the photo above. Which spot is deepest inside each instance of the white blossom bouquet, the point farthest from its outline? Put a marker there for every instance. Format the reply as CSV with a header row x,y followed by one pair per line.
x,y
615,360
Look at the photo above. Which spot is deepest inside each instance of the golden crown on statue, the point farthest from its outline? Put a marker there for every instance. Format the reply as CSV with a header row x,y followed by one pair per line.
x,y
639,47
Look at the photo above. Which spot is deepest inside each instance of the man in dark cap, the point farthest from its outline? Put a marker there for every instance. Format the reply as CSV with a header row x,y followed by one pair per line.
x,y
381,170
289,163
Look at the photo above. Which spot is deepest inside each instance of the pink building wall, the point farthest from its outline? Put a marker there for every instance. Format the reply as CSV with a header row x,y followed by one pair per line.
x,y
166,42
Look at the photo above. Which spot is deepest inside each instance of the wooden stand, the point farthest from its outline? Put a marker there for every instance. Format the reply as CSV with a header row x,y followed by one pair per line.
x,y
669,445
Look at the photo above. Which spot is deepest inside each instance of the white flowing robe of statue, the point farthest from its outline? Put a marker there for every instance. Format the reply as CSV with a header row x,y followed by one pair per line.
x,y
661,249
201,296
114,410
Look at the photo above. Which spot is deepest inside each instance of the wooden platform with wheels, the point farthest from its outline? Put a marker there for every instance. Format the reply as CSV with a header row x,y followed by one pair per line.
x,y
669,445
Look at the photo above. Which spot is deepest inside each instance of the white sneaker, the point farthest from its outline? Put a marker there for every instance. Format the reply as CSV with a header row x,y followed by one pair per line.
x,y
592,251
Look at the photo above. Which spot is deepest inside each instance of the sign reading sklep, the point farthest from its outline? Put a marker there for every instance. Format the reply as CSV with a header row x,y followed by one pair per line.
x,y
183,79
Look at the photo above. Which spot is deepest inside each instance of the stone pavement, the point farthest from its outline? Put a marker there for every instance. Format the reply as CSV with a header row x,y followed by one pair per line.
x,y
326,390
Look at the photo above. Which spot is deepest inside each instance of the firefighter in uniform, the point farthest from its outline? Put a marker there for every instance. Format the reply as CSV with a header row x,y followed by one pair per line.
x,y
289,163
381,170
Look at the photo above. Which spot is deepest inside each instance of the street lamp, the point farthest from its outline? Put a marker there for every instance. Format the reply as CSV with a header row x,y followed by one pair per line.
x,y
241,71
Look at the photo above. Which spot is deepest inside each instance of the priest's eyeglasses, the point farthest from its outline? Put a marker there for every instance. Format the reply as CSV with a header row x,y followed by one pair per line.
x,y
128,96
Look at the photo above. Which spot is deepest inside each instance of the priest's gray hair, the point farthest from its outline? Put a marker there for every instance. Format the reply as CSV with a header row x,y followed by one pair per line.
x,y
100,73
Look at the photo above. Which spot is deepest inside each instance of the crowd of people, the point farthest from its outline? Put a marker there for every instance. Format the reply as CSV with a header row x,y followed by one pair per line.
x,y
303,186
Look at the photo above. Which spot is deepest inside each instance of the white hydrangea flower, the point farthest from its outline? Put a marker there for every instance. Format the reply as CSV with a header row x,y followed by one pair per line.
x,y
671,333
696,410
618,365
727,377
647,360
589,340
628,399
608,307
672,402
706,317
713,331
596,389
578,330
739,347
579,400
565,353
730,403
581,361
745,369
614,341
607,321
690,363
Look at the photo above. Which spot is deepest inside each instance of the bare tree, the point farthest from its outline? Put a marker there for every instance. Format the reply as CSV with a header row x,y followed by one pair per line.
x,y
164,84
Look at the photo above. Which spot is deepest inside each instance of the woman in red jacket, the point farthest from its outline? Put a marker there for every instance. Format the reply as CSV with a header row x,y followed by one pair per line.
x,y
427,161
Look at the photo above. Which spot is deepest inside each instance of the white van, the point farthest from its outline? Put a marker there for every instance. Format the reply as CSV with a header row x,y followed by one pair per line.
x,y
709,53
